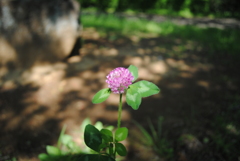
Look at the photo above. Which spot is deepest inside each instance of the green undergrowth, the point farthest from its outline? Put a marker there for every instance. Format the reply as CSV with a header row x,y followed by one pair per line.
x,y
225,136
68,150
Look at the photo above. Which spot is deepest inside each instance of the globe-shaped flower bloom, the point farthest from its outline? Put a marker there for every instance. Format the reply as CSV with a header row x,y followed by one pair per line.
x,y
119,79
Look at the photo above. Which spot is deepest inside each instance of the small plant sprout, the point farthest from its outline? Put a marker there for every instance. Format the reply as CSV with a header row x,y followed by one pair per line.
x,y
120,81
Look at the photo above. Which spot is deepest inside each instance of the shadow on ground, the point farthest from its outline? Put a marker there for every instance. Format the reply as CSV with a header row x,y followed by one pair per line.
x,y
195,89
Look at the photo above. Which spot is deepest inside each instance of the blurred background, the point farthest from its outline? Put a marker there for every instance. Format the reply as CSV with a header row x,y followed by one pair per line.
x,y
188,48
185,8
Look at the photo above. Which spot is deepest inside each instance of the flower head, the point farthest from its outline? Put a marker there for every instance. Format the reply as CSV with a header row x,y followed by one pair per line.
x,y
119,79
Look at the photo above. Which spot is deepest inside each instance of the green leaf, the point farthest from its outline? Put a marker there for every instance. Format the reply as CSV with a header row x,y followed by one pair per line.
x,y
101,95
103,146
121,134
121,150
65,139
133,98
107,135
134,70
60,137
43,157
84,124
72,146
146,88
52,150
92,137
110,128
99,125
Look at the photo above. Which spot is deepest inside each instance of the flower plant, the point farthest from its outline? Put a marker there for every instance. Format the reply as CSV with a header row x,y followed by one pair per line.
x,y
104,142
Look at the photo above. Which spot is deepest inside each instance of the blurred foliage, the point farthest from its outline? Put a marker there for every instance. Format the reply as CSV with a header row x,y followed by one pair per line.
x,y
186,8
223,42
67,149
225,139
155,138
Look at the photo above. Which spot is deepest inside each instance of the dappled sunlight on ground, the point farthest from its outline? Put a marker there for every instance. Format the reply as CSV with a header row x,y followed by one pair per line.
x,y
38,102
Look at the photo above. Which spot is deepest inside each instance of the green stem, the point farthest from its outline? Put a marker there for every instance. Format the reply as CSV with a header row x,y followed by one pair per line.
x,y
119,121
114,154
120,111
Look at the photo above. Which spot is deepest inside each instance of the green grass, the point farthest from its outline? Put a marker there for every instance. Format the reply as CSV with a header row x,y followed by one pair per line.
x,y
125,26
155,138
212,39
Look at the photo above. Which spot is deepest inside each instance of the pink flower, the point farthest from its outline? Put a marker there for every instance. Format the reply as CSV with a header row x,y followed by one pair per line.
x,y
119,79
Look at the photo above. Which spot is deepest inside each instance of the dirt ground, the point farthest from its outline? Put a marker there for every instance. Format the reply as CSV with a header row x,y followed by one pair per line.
x,y
36,103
